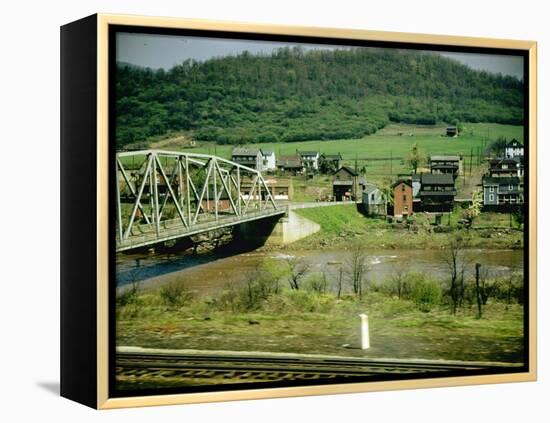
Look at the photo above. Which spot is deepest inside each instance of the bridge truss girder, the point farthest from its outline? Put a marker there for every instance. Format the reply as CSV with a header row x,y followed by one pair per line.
x,y
192,183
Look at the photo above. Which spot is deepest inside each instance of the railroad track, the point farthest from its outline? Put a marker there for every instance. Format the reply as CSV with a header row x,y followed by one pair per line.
x,y
249,368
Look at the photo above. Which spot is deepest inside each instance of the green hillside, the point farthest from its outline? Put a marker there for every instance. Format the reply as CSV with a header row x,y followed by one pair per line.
x,y
296,95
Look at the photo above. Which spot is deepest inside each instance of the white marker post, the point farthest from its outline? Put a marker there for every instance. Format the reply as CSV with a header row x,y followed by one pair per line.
x,y
365,340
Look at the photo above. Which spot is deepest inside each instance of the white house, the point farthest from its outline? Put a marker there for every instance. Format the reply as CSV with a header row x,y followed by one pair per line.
x,y
310,159
268,160
513,149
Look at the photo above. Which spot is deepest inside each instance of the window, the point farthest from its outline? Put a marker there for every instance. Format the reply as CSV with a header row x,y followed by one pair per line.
x,y
510,187
491,197
491,189
403,187
404,198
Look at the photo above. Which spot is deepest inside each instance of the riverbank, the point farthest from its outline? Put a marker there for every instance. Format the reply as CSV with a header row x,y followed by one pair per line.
x,y
343,224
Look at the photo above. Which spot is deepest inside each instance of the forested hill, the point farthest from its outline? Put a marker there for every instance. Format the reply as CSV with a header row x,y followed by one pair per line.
x,y
295,95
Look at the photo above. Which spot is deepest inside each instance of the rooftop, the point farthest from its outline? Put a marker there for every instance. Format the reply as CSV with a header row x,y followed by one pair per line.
x,y
514,143
490,180
509,160
369,188
438,193
402,181
348,170
308,153
245,151
441,158
436,179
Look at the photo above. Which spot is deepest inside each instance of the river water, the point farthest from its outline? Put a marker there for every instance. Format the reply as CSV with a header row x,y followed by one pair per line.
x,y
206,274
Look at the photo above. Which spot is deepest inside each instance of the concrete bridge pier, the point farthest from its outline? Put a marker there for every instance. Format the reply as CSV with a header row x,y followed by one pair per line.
x,y
278,230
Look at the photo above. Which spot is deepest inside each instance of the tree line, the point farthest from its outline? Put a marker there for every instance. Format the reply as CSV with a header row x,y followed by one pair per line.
x,y
296,95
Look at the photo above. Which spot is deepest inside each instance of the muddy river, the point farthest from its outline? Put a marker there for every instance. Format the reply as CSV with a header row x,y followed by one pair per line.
x,y
208,273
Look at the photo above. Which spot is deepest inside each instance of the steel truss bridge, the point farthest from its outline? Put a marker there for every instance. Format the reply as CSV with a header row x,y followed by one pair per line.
x,y
165,195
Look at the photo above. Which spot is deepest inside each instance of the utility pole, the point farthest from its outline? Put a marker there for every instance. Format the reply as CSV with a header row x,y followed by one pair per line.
x,y
478,291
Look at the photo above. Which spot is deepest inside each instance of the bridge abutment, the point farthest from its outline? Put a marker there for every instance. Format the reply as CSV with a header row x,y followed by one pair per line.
x,y
277,231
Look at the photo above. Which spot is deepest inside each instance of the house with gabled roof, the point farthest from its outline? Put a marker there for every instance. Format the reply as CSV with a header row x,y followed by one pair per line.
x,y
514,149
374,200
347,184
269,161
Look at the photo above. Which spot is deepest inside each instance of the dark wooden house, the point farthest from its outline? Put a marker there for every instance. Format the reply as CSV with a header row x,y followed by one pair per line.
x,y
329,163
345,184
442,165
290,165
506,167
437,192
249,157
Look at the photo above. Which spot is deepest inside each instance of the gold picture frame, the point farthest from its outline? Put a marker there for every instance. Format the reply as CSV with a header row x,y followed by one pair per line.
x,y
93,34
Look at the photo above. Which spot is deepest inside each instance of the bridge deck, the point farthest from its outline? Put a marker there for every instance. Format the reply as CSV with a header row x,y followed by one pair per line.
x,y
174,229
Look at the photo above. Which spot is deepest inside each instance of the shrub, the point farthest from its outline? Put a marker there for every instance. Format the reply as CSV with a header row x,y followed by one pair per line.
x,y
129,296
300,301
316,282
174,295
426,294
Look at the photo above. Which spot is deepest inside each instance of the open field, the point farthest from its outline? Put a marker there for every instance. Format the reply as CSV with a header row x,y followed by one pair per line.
x,y
371,154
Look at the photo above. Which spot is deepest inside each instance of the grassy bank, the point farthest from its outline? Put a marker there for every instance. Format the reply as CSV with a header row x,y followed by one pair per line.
x,y
319,323
340,224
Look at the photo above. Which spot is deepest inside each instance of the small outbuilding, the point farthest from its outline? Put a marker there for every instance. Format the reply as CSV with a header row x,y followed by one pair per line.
x,y
374,201
452,131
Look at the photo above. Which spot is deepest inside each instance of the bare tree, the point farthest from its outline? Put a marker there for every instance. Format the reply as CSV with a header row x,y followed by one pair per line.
x,y
456,262
297,269
357,268
399,281
339,281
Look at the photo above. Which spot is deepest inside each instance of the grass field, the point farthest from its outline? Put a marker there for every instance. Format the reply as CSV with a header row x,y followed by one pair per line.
x,y
386,142
305,322
373,153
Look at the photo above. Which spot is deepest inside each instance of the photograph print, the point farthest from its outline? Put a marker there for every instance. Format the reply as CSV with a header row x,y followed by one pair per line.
x,y
291,211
